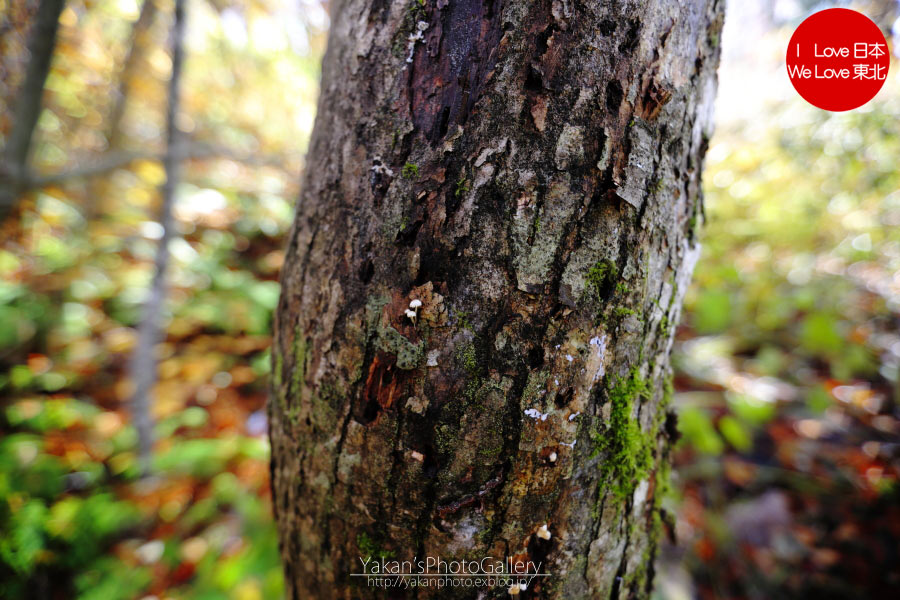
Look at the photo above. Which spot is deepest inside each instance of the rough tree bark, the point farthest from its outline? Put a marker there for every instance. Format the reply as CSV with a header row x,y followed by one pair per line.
x,y
530,171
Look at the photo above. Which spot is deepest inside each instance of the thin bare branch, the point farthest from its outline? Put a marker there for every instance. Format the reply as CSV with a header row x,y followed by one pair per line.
x,y
143,364
110,161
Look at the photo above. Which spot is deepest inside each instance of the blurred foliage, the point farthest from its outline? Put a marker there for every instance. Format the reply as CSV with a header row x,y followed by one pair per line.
x,y
75,521
787,363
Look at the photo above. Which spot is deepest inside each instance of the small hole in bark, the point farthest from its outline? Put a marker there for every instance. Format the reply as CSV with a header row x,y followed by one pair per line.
x,y
534,81
444,122
607,26
371,411
614,95
564,397
366,271
536,357
541,41
429,465
539,549
631,37
432,267
671,426
407,237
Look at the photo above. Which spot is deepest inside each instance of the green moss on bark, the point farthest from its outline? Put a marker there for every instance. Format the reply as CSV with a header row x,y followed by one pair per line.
x,y
627,450
601,276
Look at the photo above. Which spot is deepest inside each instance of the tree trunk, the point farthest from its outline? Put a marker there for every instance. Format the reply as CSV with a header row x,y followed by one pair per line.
x,y
530,172
17,147
143,366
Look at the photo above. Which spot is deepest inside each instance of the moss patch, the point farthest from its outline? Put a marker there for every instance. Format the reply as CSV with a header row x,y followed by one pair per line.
x,y
601,274
467,357
298,376
370,547
409,171
602,278
276,378
627,449
622,312
462,186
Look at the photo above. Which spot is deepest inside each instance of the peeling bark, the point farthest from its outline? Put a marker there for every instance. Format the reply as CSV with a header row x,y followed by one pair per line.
x,y
530,172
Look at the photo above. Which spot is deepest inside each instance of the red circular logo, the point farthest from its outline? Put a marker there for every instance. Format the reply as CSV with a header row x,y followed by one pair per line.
x,y
837,59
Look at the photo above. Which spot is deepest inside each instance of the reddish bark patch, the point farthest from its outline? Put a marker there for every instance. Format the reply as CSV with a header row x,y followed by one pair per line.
x,y
462,44
384,385
653,100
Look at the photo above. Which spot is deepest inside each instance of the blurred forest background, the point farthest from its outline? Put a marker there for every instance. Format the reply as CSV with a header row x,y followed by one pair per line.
x,y
786,477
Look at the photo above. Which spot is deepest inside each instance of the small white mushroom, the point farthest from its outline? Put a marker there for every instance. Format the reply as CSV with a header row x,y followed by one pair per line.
x,y
523,586
553,457
544,533
411,314
415,303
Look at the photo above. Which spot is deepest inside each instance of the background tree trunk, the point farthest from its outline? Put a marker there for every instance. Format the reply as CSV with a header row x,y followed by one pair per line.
x,y
143,366
17,147
529,171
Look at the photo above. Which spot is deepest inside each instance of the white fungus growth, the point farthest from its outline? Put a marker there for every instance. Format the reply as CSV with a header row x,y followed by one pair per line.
x,y
573,415
600,344
411,314
569,357
379,168
572,445
536,414
417,456
414,37
544,533
553,457
415,303
431,359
